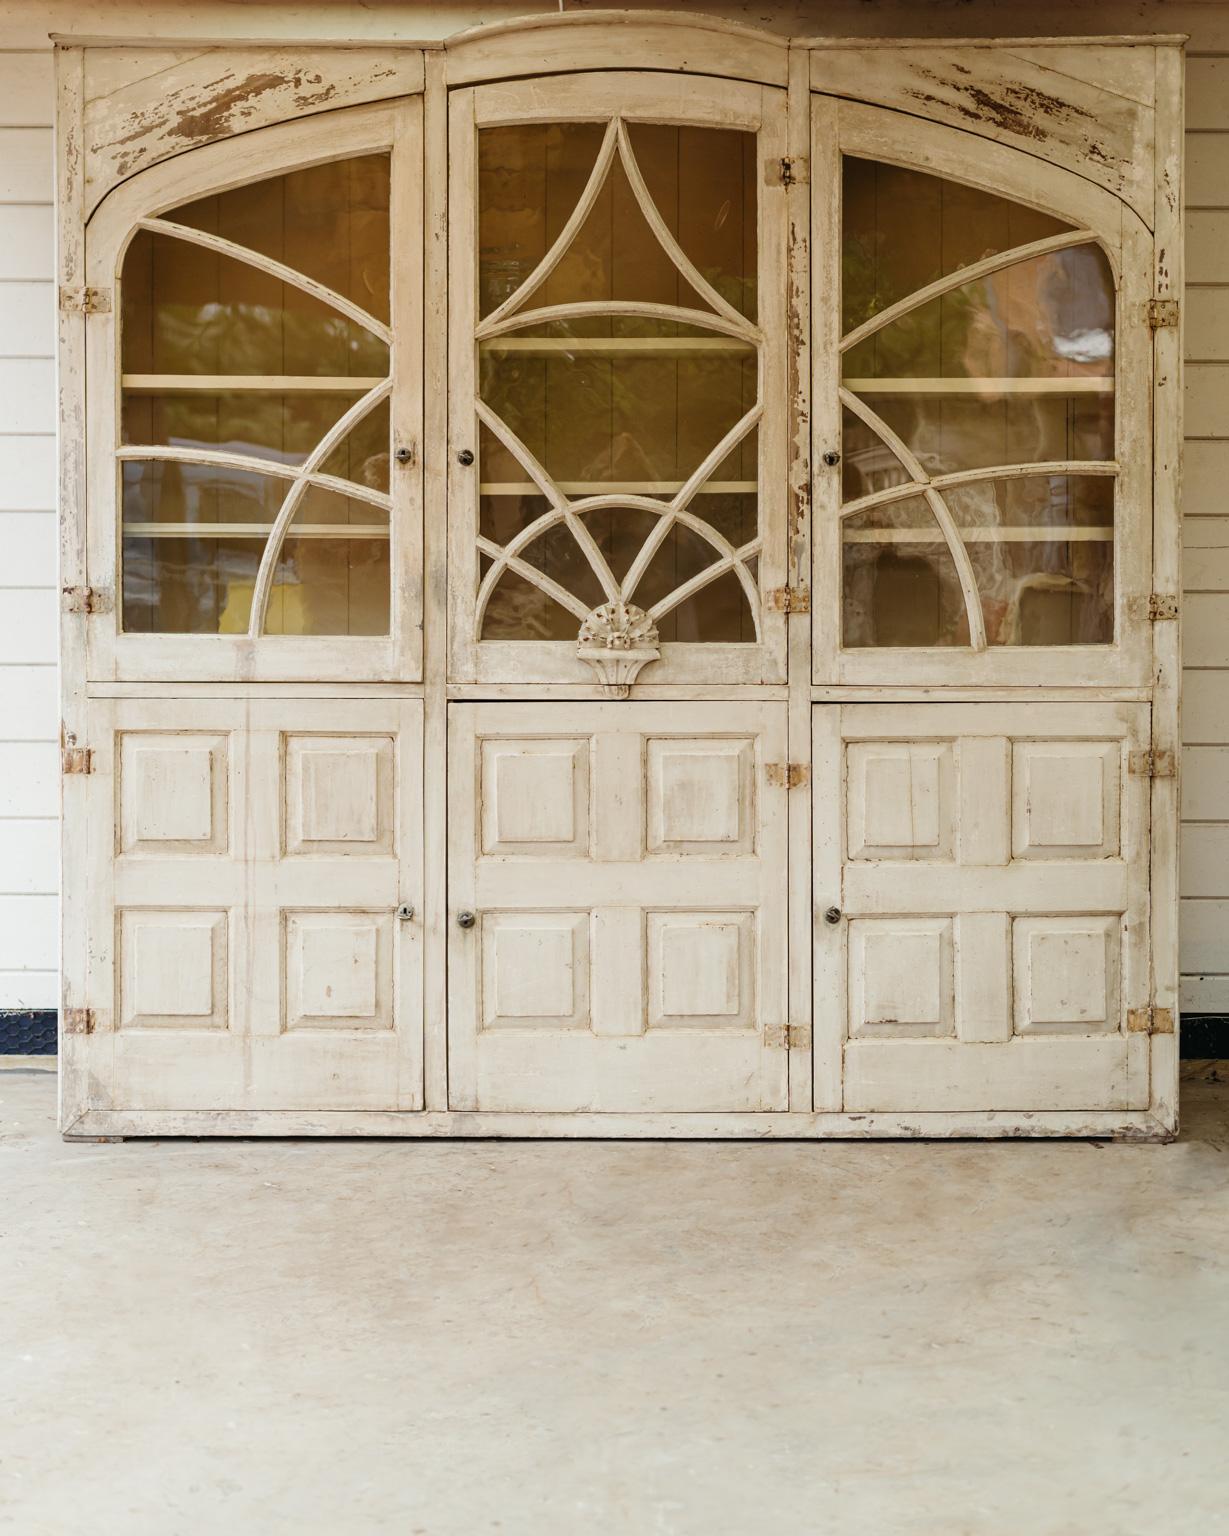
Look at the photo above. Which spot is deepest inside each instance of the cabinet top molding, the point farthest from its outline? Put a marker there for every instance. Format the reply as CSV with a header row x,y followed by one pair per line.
x,y
1088,104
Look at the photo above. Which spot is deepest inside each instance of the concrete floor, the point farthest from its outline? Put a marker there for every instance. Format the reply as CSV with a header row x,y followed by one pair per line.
x,y
961,1339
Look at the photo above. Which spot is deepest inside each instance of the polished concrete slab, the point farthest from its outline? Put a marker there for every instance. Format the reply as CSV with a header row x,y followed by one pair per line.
x,y
434,1339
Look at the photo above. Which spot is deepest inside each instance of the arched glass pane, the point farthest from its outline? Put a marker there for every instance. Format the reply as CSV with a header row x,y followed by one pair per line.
x,y
900,586
218,355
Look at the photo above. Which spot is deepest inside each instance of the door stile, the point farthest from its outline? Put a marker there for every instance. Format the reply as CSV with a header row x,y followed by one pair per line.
x,y
825,383
798,196
435,461
406,409
1166,578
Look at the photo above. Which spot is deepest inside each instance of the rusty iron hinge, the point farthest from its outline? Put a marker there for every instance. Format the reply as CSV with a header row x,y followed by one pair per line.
x,y
791,1037
79,1021
787,775
86,301
789,171
1162,313
788,600
1153,765
1150,1021
1162,605
76,760
85,600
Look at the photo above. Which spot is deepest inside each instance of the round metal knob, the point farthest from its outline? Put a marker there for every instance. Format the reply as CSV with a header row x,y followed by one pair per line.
x,y
405,911
832,915
404,455
832,459
466,919
466,456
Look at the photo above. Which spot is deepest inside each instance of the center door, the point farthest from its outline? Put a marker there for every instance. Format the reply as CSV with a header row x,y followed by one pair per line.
x,y
617,846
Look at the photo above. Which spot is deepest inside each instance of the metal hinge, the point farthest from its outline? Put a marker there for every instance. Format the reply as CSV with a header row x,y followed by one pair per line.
x,y
86,301
787,775
1153,765
1162,313
789,171
793,1037
1162,605
1150,1021
76,760
788,600
85,600
79,1021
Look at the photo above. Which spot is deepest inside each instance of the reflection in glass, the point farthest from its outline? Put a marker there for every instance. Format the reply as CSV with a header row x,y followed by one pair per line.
x,y
1015,367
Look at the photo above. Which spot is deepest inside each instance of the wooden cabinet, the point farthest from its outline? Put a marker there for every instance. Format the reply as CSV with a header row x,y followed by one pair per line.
x,y
621,600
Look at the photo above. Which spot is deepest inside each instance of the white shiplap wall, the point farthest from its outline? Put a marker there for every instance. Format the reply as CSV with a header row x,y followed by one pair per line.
x,y
29,713
1205,797
28,704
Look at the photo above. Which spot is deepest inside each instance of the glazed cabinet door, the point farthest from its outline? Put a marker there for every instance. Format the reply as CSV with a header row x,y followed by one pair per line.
x,y
616,311
617,885
983,397
255,878
981,906
254,499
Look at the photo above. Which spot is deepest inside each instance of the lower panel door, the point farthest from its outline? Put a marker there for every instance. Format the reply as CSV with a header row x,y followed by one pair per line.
x,y
624,866
249,858
991,865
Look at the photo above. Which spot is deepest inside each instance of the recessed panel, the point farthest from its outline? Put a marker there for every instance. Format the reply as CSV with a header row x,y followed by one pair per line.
x,y
1065,799
535,796
701,970
900,799
1066,974
535,970
172,969
900,976
173,792
338,970
339,794
700,795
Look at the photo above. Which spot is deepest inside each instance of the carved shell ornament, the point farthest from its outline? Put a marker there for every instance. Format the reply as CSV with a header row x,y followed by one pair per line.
x,y
616,640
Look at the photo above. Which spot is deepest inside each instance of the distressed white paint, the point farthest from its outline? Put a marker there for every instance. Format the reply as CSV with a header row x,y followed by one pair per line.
x,y
28,465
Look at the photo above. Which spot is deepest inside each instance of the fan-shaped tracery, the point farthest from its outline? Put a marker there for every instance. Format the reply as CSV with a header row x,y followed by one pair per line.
x,y
232,307
666,349
1007,349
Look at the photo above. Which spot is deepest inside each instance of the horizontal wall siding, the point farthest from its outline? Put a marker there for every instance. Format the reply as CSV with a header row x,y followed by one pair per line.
x,y
1205,537
29,767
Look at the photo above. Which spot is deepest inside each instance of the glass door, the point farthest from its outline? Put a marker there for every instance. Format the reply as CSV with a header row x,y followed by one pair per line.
x,y
617,431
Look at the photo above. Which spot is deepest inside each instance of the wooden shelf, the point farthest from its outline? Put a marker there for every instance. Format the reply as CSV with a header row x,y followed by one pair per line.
x,y
244,384
660,346
1046,534
253,531
618,488
1081,385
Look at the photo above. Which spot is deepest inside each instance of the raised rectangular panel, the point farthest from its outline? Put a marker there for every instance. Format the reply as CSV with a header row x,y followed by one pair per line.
x,y
1065,799
899,799
173,791
535,970
534,796
701,970
1066,974
172,969
338,796
900,976
338,970
700,795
